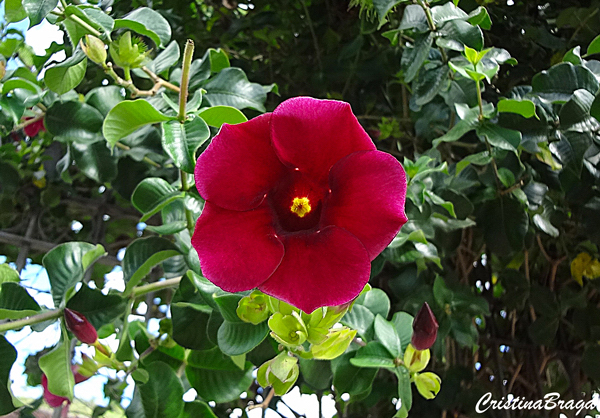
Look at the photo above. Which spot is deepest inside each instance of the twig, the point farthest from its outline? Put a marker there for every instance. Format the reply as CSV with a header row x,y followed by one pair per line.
x,y
265,403
28,122
146,159
30,320
153,287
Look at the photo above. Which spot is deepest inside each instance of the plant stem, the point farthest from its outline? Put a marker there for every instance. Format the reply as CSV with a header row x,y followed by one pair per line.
x,y
184,188
188,53
35,319
313,35
124,147
28,122
162,82
84,25
153,287
479,101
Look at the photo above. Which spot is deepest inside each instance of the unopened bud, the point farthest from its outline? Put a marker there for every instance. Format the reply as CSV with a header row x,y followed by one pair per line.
x,y
253,308
425,329
80,327
94,48
51,399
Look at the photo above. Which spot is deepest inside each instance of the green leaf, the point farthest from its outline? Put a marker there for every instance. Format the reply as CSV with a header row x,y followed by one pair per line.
x,y
160,397
19,83
8,354
166,59
181,141
350,379
14,12
413,59
231,88
376,300
236,338
37,10
98,308
573,56
94,160
218,60
523,107
220,385
16,302
218,115
68,74
429,83
414,18
8,274
383,7
317,373
577,110
373,355
458,33
559,82
387,336
498,136
446,13
594,47
128,116
505,224
66,264
104,99
147,22
361,319
480,17
142,255
56,365
153,194
74,121
403,324
197,409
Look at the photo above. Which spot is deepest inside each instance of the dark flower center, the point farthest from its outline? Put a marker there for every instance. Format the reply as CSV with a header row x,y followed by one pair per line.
x,y
296,203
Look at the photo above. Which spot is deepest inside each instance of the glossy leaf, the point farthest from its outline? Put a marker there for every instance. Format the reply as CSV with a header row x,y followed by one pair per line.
x,y
128,116
386,334
98,308
231,88
181,141
147,22
142,255
160,397
68,74
153,194
74,121
220,385
524,107
94,160
218,115
37,10
56,365
16,302
8,354
66,264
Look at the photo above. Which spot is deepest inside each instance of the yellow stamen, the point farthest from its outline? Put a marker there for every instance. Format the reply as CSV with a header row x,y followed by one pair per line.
x,y
301,206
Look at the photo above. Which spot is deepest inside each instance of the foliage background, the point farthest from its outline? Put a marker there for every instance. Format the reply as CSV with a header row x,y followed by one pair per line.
x,y
490,242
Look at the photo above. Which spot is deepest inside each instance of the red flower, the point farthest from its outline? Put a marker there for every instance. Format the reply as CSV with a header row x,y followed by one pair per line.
x,y
425,328
54,400
34,128
298,203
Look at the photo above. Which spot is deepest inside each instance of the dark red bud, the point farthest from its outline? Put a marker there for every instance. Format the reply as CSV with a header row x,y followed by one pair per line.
x,y
425,329
34,128
80,327
50,398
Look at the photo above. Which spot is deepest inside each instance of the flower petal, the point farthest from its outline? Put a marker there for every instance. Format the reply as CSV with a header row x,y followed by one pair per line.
x,y
239,166
326,268
368,191
237,250
311,134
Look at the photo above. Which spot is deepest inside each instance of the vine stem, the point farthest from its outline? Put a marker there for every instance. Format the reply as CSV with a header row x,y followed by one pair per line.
x,y
479,101
83,24
28,122
146,159
153,287
188,53
34,319
184,188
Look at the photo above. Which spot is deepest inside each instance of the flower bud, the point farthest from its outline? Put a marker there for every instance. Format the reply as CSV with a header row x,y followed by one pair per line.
x,y
288,330
128,51
425,329
428,384
281,373
94,48
416,360
34,128
80,327
253,308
